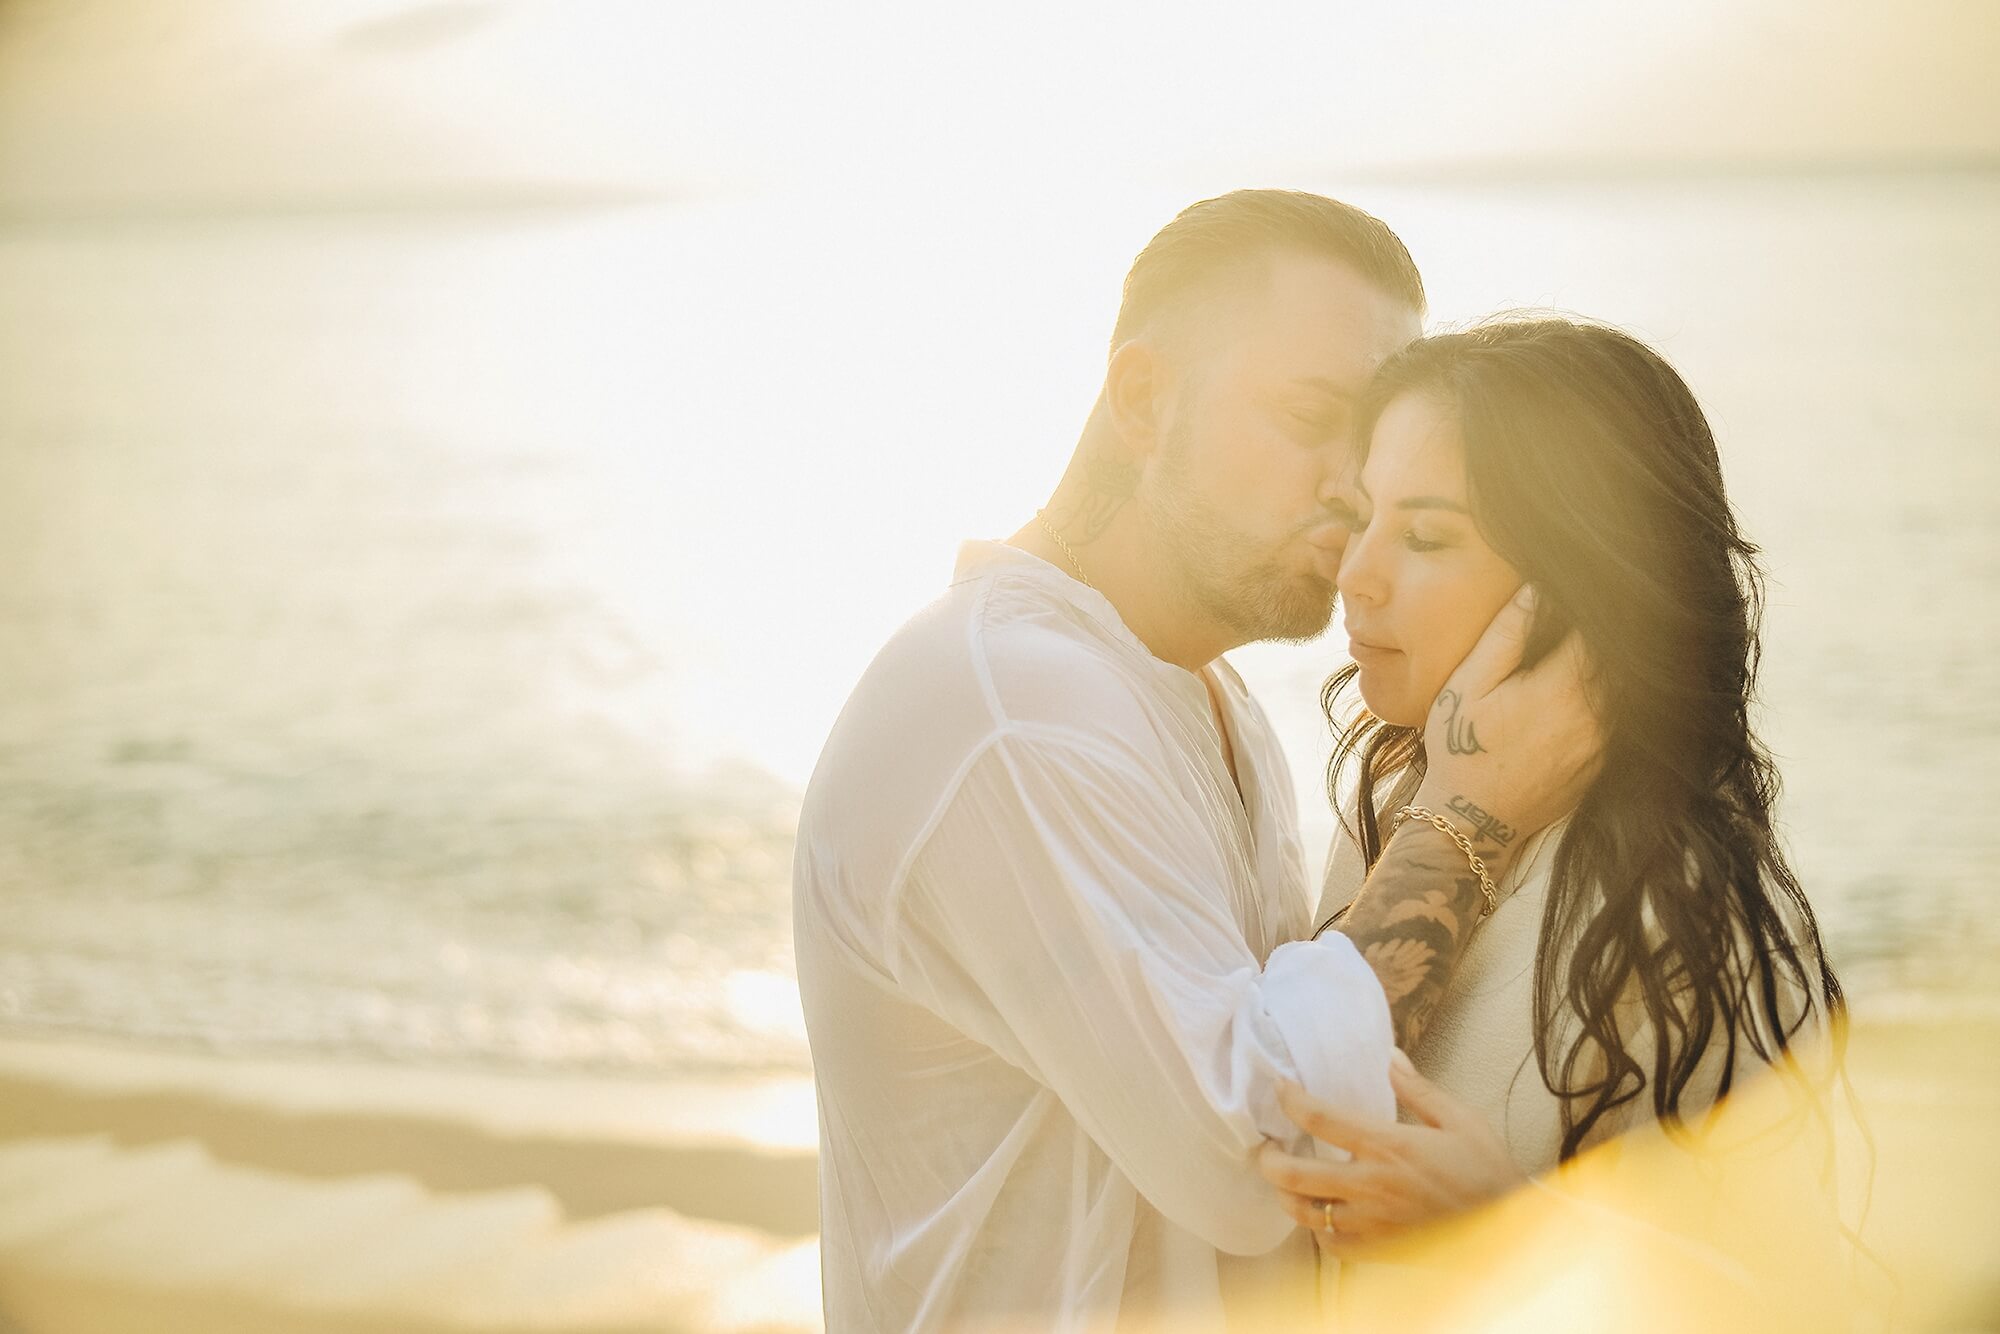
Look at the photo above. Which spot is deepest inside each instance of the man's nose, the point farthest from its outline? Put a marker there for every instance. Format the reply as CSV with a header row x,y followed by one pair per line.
x,y
1340,467
1336,530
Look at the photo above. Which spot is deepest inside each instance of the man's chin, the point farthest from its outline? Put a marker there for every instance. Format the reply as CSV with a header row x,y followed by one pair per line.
x,y
1302,613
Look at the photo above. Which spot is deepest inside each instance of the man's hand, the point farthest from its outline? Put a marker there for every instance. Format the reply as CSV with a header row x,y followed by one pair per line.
x,y
1509,752
1399,1176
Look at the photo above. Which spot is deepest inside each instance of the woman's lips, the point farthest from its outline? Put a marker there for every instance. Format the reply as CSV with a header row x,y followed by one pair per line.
x,y
1364,652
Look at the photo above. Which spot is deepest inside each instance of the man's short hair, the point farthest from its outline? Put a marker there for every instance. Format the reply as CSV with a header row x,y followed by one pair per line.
x,y
1215,235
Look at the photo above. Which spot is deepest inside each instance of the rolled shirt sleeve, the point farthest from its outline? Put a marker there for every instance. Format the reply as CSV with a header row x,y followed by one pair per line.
x,y
1070,910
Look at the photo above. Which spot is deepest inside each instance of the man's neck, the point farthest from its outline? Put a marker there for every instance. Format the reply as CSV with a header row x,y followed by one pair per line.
x,y
1143,587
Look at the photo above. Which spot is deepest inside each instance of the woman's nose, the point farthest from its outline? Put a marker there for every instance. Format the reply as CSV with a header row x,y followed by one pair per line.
x,y
1360,578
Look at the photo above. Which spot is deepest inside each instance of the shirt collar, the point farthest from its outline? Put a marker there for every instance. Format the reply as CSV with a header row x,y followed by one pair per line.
x,y
978,558
981,559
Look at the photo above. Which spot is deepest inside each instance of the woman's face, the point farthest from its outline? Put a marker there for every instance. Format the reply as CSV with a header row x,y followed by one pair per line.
x,y
1419,583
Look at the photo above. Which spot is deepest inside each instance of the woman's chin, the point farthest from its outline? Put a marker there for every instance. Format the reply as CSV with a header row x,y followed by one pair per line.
x,y
1391,705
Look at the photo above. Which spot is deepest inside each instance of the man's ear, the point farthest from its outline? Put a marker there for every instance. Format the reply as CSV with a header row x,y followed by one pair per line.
x,y
1135,393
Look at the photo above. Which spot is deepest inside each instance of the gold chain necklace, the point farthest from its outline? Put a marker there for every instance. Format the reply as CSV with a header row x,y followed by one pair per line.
x,y
1075,564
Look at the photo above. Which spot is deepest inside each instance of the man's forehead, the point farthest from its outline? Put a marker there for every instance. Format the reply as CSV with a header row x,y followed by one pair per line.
x,y
1323,318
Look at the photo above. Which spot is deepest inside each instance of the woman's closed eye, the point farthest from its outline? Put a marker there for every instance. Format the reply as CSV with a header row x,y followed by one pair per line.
x,y
1416,542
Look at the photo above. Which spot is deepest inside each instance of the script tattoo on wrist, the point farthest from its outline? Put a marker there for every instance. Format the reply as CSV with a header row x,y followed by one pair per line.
x,y
1411,922
1484,824
1459,736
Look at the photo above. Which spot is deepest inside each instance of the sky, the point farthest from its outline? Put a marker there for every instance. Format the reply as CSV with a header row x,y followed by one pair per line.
x,y
876,304
113,104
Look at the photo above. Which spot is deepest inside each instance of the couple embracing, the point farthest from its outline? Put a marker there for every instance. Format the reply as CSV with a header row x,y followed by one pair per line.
x,y
1091,1052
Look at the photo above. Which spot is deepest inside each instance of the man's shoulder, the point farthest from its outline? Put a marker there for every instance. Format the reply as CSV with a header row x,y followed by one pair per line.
x,y
984,666
1022,653
992,656
1055,670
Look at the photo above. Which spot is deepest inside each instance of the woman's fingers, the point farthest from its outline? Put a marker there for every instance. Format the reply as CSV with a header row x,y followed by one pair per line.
x,y
1326,1123
1418,1096
1354,1228
1311,1213
1315,1177
1497,653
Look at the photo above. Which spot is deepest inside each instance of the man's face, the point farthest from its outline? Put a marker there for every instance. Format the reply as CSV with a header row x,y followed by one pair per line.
x,y
1258,438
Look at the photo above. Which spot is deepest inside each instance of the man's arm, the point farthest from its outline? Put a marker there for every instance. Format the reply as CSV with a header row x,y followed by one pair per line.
x,y
1069,911
1508,753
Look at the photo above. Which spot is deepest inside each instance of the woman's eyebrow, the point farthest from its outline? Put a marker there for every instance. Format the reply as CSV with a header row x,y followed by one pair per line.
x,y
1431,503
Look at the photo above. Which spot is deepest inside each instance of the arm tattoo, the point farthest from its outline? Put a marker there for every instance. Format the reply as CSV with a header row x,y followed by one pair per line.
x,y
1459,736
1484,827
1412,921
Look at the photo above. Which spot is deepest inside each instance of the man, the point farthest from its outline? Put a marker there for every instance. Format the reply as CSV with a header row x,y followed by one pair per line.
x,y
1049,906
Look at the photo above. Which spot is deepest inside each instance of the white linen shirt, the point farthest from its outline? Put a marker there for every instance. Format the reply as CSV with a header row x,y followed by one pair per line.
x,y
1041,948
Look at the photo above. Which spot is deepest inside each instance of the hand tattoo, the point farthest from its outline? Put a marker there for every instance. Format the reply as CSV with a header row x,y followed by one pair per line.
x,y
1459,736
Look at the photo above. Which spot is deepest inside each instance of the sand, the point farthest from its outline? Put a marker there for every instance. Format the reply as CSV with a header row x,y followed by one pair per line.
x,y
143,1190
151,1191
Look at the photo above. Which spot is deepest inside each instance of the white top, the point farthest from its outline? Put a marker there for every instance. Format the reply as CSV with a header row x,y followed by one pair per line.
x,y
1041,946
1480,1044
1699,1206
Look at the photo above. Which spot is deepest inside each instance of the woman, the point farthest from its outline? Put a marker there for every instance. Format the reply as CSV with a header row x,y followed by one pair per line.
x,y
1654,949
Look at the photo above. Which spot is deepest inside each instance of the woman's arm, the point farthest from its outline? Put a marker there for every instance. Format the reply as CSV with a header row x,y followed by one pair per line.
x,y
1509,752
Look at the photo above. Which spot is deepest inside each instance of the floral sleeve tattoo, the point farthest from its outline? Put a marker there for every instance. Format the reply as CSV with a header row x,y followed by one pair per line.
x,y
1412,920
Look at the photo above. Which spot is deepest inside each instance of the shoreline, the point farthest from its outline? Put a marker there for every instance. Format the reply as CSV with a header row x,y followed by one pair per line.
x,y
733,1151
162,1192
152,1191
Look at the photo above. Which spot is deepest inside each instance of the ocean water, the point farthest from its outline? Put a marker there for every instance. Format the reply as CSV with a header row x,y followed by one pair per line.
x,y
416,628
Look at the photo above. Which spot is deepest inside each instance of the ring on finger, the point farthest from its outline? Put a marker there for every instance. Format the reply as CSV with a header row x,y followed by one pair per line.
x,y
1326,1217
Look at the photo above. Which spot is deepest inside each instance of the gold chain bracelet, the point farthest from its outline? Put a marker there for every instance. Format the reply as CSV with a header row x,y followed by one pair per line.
x,y
1450,831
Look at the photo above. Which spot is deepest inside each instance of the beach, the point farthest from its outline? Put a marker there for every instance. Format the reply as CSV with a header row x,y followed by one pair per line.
x,y
151,1190
144,1190
419,625
457,457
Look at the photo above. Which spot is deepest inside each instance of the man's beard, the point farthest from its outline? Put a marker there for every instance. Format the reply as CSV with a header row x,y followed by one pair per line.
x,y
1227,576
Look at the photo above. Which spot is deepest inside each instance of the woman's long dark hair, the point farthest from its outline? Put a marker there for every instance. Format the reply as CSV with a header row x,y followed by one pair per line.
x,y
1591,469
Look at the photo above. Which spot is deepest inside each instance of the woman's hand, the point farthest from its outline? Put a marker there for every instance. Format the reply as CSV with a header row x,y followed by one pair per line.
x,y
1399,1176
1510,751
